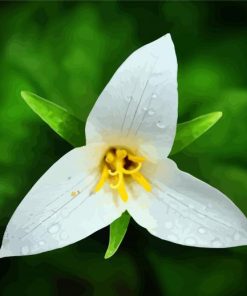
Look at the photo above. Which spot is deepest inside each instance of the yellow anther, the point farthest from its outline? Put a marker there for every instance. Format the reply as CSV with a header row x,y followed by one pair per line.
x,y
138,177
119,165
121,153
135,158
110,157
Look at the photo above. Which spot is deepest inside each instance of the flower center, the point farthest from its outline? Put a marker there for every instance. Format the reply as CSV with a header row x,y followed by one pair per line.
x,y
119,165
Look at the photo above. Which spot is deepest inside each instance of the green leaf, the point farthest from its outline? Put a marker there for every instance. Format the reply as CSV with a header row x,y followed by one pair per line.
x,y
118,230
189,131
64,124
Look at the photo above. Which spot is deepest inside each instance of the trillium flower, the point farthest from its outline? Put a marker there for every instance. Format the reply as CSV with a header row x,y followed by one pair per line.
x,y
124,167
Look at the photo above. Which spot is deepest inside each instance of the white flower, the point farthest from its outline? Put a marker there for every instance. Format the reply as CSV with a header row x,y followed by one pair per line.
x,y
124,166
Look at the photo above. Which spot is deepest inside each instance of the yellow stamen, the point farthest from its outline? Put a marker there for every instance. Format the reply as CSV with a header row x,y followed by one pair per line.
x,y
139,178
120,180
102,180
121,153
113,173
122,191
136,158
130,172
110,157
119,165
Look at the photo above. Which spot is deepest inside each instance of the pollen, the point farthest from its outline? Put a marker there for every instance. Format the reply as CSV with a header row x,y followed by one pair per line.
x,y
119,167
75,193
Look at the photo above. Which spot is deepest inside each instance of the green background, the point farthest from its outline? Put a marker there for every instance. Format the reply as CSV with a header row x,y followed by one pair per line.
x,y
67,52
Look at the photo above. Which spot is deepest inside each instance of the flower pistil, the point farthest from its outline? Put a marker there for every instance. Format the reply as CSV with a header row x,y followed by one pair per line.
x,y
118,166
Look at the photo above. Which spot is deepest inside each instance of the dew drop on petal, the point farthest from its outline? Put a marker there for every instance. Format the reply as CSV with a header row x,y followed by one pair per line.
x,y
154,96
151,112
145,108
41,243
159,124
54,228
128,99
24,250
201,230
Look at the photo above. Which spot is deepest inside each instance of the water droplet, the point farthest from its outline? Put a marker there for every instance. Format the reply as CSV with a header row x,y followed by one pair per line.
x,y
160,124
236,236
54,228
201,230
154,96
41,243
145,108
151,112
216,243
25,250
63,235
190,241
168,225
191,206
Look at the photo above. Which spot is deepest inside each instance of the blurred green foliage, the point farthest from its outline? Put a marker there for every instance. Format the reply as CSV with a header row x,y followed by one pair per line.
x,y
67,52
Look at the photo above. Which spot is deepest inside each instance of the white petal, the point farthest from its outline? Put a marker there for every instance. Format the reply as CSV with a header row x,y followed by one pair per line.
x,y
49,217
139,105
187,211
